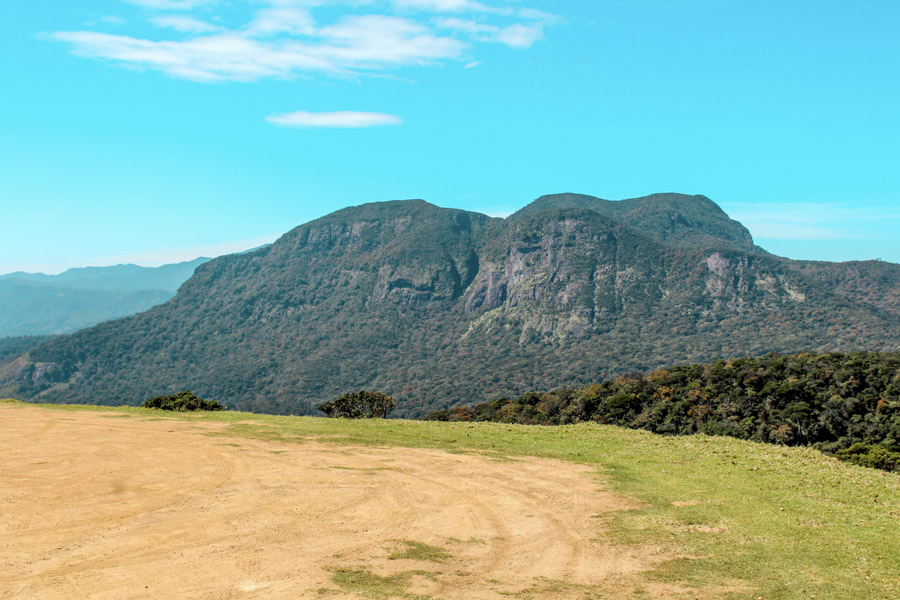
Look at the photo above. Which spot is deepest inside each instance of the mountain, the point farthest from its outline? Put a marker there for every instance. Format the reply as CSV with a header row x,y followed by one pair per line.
x,y
117,277
673,219
37,304
440,306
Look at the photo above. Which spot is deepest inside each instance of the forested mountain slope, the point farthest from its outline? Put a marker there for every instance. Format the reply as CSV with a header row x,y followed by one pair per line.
x,y
873,284
439,306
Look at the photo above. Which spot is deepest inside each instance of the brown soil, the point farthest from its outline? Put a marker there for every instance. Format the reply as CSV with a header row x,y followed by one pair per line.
x,y
98,505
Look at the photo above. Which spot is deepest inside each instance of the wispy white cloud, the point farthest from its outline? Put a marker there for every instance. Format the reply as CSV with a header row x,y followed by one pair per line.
x,y
205,59
356,43
171,4
467,26
442,5
282,39
280,19
520,36
535,14
806,220
376,39
112,20
517,35
474,7
342,119
185,24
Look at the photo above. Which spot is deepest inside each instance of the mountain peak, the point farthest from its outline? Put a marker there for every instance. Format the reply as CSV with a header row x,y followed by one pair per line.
x,y
671,218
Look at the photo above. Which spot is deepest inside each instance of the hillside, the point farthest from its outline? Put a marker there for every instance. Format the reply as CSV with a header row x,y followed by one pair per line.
x,y
873,284
440,306
12,347
38,304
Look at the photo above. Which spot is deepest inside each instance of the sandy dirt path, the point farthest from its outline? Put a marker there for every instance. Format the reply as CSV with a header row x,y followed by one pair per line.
x,y
99,505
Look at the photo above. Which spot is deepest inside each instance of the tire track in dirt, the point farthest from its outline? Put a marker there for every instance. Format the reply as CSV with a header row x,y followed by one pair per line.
x,y
131,508
554,548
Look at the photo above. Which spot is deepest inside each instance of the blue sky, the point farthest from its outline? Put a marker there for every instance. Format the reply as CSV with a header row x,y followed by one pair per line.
x,y
151,131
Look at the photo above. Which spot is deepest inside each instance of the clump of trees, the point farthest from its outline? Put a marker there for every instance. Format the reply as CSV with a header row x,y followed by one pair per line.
x,y
359,405
843,404
868,455
183,401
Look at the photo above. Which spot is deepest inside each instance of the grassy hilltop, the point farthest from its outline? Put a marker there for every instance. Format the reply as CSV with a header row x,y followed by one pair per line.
x,y
742,520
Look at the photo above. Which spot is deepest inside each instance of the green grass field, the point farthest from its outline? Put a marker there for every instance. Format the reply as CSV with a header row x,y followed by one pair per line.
x,y
751,520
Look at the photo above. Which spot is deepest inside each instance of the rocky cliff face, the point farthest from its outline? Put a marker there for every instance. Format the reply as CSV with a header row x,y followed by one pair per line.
x,y
438,306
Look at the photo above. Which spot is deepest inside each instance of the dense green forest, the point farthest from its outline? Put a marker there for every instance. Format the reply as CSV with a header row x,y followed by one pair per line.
x,y
12,347
840,403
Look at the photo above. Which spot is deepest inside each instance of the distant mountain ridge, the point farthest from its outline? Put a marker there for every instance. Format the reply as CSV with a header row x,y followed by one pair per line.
x,y
117,277
39,304
441,306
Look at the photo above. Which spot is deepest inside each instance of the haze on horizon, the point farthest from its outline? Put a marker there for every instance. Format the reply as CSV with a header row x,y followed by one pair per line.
x,y
154,131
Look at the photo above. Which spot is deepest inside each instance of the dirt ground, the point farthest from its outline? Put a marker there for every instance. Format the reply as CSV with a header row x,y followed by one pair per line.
x,y
99,505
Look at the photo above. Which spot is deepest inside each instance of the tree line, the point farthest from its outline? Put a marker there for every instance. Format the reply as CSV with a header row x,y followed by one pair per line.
x,y
847,404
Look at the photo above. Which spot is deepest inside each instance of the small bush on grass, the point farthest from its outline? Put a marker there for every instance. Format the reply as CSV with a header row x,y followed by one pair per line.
x,y
184,401
359,405
868,455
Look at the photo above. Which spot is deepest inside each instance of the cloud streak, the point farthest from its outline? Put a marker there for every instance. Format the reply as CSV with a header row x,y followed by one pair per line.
x,y
442,5
170,4
282,38
185,24
806,220
517,35
342,119
358,43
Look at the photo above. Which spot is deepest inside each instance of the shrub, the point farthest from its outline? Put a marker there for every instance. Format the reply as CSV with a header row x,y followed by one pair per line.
x,y
868,455
359,405
183,401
